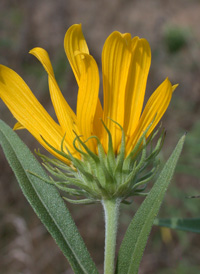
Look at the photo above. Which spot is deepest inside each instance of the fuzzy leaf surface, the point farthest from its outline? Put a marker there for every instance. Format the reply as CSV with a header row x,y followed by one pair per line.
x,y
185,224
135,239
46,201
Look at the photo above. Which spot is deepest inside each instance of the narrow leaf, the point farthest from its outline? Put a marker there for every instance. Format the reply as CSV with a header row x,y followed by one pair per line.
x,y
46,201
185,224
134,242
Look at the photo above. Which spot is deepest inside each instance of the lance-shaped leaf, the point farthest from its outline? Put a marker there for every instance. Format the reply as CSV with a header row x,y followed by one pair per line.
x,y
134,242
46,201
185,224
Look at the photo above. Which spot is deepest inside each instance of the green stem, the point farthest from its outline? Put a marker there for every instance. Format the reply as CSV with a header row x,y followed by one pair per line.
x,y
111,210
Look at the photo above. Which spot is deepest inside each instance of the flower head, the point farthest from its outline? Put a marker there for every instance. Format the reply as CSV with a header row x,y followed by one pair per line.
x,y
94,132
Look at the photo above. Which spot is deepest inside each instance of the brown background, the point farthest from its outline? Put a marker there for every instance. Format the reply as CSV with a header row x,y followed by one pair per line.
x,y
25,246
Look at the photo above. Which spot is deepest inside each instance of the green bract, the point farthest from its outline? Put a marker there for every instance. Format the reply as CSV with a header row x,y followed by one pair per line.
x,y
101,176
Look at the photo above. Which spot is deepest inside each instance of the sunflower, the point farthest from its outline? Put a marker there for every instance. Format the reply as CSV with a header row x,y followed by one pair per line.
x,y
108,137
125,67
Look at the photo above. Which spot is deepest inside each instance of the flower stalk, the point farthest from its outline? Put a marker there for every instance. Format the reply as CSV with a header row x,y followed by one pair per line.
x,y
111,211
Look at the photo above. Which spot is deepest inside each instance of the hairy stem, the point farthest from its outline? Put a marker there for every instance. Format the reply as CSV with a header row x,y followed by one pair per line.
x,y
111,210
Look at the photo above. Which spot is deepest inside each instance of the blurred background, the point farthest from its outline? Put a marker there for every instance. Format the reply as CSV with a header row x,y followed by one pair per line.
x,y
172,29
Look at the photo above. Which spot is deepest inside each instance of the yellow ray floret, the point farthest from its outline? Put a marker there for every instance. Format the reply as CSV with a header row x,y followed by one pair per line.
x,y
65,114
125,68
116,58
27,110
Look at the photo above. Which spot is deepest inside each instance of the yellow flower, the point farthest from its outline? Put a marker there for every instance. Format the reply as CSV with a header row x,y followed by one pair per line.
x,y
125,67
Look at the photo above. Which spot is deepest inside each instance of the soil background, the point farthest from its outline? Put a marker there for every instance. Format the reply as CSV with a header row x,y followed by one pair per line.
x,y
172,29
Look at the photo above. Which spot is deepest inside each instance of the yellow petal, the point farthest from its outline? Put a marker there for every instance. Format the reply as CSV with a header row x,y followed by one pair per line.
x,y
97,125
136,84
174,87
87,96
18,126
75,42
116,57
154,109
65,114
27,110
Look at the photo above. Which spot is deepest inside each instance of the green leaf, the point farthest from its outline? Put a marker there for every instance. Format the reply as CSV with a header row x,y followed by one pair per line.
x,y
46,201
185,224
134,242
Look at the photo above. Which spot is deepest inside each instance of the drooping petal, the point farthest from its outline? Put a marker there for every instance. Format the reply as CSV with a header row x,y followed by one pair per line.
x,y
75,42
136,84
87,96
64,113
116,57
27,110
154,110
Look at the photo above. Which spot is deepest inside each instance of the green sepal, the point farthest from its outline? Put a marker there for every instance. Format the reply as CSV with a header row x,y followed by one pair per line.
x,y
55,162
81,202
69,181
147,178
121,155
89,152
108,176
60,152
102,158
136,150
135,170
110,155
